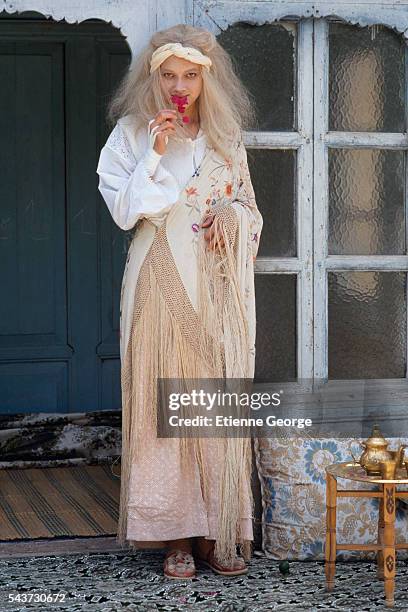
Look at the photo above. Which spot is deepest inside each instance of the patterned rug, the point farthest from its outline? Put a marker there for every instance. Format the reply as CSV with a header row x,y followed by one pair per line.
x,y
134,582
58,501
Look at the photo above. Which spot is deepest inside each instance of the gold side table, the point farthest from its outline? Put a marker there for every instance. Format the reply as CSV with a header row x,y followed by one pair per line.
x,y
385,546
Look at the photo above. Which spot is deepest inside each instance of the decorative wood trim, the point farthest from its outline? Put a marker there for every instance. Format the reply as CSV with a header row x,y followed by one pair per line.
x,y
218,15
136,19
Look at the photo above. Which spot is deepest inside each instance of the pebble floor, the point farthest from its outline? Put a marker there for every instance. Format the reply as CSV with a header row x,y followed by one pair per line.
x,y
134,581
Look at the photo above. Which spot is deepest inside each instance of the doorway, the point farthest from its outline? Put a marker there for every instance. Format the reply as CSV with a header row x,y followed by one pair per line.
x,y
61,258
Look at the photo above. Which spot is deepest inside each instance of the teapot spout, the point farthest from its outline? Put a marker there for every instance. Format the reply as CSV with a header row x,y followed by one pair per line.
x,y
399,458
398,455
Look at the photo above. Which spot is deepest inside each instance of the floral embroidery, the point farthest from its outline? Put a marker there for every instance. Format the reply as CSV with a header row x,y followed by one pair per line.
x,y
192,200
191,191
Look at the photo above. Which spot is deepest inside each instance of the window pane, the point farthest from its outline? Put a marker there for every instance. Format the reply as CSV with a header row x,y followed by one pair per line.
x,y
366,202
276,327
366,79
264,60
273,176
367,325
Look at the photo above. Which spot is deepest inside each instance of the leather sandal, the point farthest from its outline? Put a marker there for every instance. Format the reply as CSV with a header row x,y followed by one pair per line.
x,y
179,565
236,569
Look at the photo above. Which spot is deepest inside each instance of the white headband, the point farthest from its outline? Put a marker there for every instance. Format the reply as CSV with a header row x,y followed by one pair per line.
x,y
189,53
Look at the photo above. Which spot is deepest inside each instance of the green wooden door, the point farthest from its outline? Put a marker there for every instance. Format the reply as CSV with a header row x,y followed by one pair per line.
x,y
61,256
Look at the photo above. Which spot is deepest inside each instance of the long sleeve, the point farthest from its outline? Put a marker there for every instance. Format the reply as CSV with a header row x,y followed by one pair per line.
x,y
127,186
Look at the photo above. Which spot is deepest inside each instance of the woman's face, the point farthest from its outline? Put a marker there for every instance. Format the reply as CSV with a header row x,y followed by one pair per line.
x,y
181,78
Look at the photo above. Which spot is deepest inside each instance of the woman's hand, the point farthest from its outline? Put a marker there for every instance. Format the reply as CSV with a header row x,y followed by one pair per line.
x,y
162,126
209,234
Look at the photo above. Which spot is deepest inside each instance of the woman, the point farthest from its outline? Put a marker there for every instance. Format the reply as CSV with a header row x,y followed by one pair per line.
x,y
187,300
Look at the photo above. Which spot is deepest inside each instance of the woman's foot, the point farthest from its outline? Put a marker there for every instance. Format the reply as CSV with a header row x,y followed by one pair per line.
x,y
179,562
204,551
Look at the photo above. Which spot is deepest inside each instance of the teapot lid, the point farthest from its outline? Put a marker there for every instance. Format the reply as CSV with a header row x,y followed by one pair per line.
x,y
376,438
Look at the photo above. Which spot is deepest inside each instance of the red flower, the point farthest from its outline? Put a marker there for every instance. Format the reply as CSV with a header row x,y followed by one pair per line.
x,y
181,102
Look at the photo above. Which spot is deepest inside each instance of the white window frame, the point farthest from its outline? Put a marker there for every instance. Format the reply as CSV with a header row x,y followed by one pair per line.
x,y
312,140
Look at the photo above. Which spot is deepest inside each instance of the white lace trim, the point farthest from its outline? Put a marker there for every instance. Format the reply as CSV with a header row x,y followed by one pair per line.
x,y
119,143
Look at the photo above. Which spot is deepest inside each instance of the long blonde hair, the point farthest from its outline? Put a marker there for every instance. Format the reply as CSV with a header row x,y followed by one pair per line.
x,y
225,106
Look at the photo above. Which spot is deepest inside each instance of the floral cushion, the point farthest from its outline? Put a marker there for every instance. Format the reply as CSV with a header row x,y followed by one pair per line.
x,y
293,486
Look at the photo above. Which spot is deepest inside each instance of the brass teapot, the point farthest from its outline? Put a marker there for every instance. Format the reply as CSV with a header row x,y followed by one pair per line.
x,y
375,451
